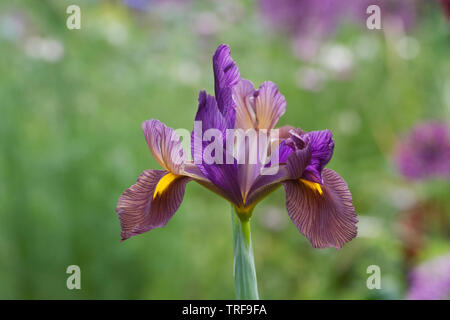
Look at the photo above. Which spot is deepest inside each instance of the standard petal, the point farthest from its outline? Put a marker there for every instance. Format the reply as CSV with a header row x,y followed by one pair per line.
x,y
258,109
165,145
324,214
270,105
151,202
244,100
208,117
322,147
220,173
226,76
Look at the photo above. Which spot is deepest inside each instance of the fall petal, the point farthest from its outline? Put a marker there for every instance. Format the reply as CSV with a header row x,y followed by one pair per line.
x,y
151,202
323,213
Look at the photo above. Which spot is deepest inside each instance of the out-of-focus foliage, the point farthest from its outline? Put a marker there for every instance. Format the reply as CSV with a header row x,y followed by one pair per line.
x,y
71,106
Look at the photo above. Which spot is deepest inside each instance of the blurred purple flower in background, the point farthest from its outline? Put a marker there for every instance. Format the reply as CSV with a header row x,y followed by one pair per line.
x,y
430,280
305,21
309,22
425,152
137,4
303,16
143,5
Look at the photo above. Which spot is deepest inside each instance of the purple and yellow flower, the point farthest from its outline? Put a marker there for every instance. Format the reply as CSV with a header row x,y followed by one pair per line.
x,y
425,151
318,200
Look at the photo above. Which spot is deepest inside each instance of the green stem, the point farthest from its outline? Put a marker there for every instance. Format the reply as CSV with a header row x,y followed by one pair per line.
x,y
244,264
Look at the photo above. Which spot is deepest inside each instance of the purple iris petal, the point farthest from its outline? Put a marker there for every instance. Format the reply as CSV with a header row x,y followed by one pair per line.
x,y
226,76
165,145
326,217
258,109
322,147
222,174
320,144
140,210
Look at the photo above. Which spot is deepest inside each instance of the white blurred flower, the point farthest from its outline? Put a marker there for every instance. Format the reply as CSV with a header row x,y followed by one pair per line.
x,y
207,24
407,47
402,198
367,48
338,59
273,218
231,11
47,49
306,48
187,73
116,33
12,26
310,78
349,122
369,227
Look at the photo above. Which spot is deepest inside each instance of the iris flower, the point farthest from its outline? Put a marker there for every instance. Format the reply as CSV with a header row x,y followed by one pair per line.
x,y
318,200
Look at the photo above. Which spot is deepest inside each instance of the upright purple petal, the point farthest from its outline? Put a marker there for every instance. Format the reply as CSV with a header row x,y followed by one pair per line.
x,y
223,174
270,105
141,209
243,97
258,109
324,214
165,145
226,76
322,147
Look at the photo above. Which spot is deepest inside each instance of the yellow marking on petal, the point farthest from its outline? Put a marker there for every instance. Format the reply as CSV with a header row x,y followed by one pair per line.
x,y
312,185
164,183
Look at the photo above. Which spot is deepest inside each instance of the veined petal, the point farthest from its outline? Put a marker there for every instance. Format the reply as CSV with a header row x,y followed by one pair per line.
x,y
324,214
226,75
266,183
223,174
270,105
165,145
297,162
322,147
209,116
320,144
258,109
151,202
244,100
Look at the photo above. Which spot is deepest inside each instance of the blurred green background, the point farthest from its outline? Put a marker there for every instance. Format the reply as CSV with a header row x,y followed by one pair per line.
x,y
71,107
